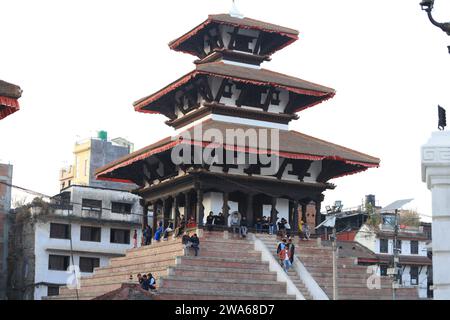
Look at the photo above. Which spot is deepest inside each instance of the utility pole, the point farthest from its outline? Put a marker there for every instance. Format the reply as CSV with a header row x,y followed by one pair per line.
x,y
396,258
334,245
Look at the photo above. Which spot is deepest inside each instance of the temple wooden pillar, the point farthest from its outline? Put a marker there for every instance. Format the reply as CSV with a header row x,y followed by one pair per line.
x,y
187,207
318,215
165,204
175,211
200,208
294,224
144,213
304,207
225,207
249,210
274,212
155,217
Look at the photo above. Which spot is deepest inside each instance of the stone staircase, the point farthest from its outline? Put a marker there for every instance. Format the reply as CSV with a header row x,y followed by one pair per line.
x,y
352,278
271,243
226,269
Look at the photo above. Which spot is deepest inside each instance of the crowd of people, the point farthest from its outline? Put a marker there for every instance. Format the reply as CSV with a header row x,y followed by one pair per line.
x,y
286,252
146,281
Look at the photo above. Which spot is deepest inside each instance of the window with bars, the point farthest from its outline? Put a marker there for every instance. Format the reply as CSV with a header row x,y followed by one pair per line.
x,y
414,273
92,234
384,245
58,263
91,205
121,236
59,231
414,247
52,291
88,264
121,207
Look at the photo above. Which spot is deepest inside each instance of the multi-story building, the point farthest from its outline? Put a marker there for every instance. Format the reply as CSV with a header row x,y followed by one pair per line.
x,y
91,154
414,263
82,226
6,171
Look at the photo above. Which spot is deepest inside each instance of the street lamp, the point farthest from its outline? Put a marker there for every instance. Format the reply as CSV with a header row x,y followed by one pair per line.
x,y
427,6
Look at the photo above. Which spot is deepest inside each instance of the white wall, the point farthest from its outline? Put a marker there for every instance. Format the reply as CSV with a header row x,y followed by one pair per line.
x,y
44,246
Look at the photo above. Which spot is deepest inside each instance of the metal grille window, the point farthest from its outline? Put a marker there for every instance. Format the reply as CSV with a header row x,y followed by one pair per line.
x,y
92,234
119,207
384,245
59,231
414,247
88,264
52,291
91,205
383,270
59,263
120,236
414,273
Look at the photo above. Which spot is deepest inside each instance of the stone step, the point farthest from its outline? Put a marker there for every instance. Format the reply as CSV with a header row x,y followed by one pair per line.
x,y
137,268
150,250
121,277
95,290
228,253
224,273
189,294
245,285
224,262
146,258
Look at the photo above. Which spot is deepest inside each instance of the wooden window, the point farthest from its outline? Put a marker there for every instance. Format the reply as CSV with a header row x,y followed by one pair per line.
x,y
414,247
59,231
242,43
414,273
275,98
383,270
228,90
59,263
384,245
92,234
88,264
52,291
91,205
120,207
120,236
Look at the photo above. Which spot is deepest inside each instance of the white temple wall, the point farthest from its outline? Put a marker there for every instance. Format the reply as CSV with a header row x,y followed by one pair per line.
x,y
314,171
282,207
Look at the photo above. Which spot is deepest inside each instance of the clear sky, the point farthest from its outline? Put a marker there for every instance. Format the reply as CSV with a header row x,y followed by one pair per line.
x,y
82,63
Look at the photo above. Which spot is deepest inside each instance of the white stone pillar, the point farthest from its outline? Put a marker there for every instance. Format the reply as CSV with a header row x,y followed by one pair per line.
x,y
436,173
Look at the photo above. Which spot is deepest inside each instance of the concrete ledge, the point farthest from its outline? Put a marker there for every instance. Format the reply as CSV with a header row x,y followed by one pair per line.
x,y
311,285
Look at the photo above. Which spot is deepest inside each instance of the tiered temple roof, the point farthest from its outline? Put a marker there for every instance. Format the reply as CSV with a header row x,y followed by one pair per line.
x,y
9,95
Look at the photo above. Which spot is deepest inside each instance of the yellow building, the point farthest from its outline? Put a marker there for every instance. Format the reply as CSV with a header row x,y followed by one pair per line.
x,y
91,154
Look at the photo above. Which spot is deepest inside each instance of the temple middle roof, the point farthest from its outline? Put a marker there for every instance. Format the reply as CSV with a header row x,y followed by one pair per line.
x,y
261,77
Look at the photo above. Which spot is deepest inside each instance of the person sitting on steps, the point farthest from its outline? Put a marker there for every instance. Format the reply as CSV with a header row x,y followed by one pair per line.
x,y
195,243
186,241
209,221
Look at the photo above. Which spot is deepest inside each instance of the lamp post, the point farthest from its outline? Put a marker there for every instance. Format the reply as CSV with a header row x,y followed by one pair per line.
x,y
427,6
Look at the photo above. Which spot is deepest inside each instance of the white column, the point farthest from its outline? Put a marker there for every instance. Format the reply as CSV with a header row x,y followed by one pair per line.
x,y
436,173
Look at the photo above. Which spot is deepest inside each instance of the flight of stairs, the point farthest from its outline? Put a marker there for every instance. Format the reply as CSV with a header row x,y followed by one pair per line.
x,y
271,243
226,269
351,279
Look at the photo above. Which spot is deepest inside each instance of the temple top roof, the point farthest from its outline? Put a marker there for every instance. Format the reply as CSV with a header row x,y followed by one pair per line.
x,y
276,37
10,90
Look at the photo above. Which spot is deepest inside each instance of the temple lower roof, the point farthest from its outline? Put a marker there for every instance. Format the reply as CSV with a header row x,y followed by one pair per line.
x,y
292,145
261,77
9,95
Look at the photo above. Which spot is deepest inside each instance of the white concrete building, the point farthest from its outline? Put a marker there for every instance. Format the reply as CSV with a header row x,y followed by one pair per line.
x,y
85,228
413,260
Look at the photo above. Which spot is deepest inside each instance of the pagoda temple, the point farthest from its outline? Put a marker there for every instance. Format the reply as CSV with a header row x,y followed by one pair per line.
x,y
9,95
229,93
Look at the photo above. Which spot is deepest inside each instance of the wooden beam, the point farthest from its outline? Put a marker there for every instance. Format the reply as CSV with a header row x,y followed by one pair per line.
x,y
244,92
221,90
282,168
300,168
233,38
268,99
258,43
